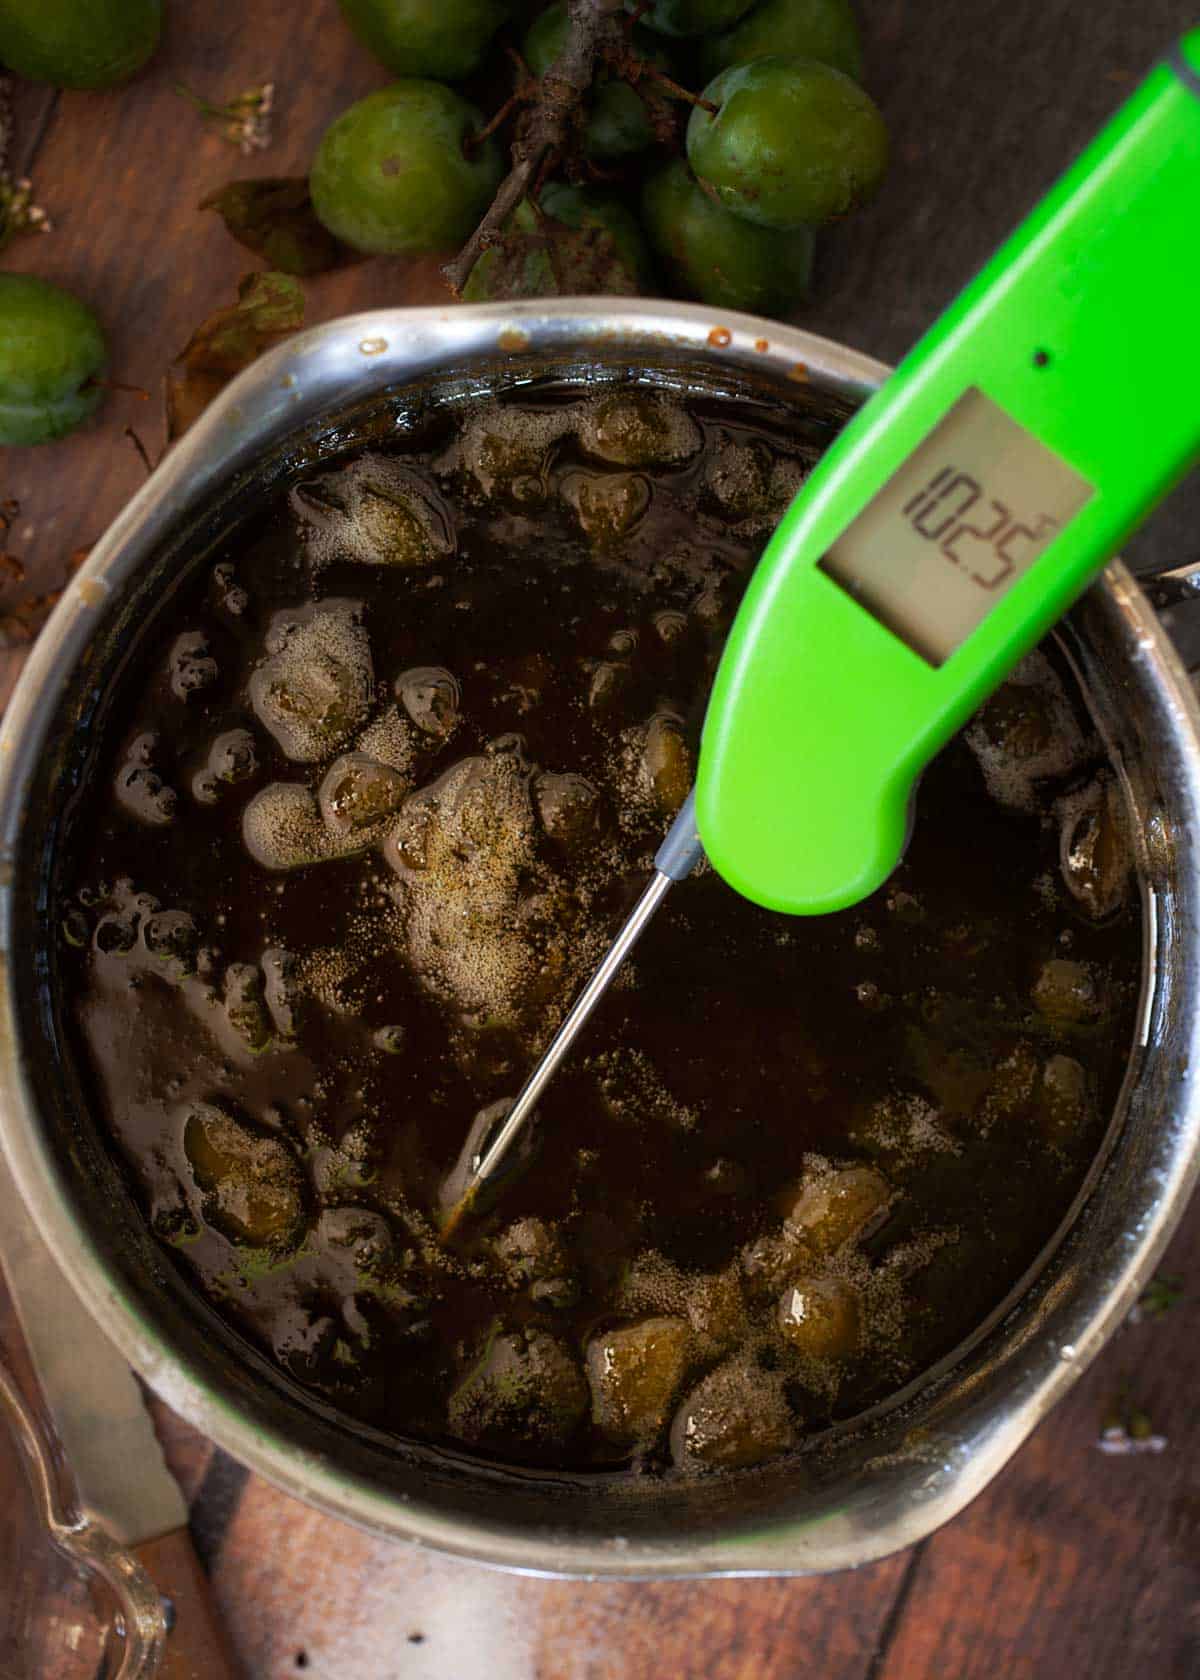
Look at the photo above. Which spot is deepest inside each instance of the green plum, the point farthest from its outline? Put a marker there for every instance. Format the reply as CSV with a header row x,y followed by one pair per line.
x,y
714,256
618,122
820,29
396,173
793,142
51,353
78,43
692,17
442,38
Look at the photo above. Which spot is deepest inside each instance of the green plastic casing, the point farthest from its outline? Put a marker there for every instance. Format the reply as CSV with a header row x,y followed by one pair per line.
x,y
1085,329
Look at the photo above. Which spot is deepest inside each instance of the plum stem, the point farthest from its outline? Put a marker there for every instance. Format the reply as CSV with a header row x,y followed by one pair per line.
x,y
672,88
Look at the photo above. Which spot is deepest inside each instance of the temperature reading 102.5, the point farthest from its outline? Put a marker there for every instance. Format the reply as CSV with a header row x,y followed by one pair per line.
x,y
956,526
989,552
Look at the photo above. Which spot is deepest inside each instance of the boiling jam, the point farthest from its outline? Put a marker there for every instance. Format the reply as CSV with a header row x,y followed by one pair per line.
x,y
382,782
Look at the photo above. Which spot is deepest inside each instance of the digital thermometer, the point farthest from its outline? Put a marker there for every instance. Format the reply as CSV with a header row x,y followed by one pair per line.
x,y
955,519
960,513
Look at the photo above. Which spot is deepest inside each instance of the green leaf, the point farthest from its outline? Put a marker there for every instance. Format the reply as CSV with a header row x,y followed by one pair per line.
x,y
269,307
275,219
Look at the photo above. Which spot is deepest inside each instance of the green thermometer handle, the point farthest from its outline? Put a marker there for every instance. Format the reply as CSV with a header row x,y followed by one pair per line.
x,y
960,513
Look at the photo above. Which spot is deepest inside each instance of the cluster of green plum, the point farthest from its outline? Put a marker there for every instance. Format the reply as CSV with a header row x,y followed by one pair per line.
x,y
782,139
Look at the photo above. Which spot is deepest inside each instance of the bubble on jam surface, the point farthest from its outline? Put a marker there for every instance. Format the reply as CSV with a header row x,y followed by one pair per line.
x,y
737,477
142,792
571,810
245,1007
735,1417
314,687
607,505
232,758
713,605
532,1256
526,1393
229,594
172,938
357,796
389,738
282,990
667,767
1064,1106
506,451
75,928
116,934
1027,734
432,697
670,626
362,1233
1096,846
635,1092
787,476
191,669
124,912
376,511
250,1184
636,1372
1011,1090
715,1303
609,681
636,429
352,1165
391,1039
282,828
466,852
308,1343
904,1128
1069,993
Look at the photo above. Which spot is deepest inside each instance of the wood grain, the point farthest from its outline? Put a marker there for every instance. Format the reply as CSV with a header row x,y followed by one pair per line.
x,y
1071,1562
197,1645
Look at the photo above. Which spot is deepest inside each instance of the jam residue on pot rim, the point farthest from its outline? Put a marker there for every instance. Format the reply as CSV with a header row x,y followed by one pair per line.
x,y
381,783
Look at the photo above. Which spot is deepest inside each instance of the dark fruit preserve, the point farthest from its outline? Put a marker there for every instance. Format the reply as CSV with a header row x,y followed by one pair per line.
x,y
380,785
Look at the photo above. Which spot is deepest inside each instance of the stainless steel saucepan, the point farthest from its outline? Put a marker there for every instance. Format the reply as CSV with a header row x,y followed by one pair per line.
x,y
867,1489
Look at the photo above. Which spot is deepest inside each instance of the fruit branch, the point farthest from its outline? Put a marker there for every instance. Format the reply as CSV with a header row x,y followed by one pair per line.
x,y
543,132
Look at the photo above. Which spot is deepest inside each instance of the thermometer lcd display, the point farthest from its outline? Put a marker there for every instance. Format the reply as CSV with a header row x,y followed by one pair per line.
x,y
960,522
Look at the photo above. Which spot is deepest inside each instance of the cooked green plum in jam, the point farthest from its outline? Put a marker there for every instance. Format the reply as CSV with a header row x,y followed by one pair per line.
x,y
388,769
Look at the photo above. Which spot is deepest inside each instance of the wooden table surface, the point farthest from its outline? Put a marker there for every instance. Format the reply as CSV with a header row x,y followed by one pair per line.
x,y
1072,1562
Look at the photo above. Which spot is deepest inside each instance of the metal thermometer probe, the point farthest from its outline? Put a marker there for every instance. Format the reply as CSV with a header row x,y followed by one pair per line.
x,y
674,861
953,521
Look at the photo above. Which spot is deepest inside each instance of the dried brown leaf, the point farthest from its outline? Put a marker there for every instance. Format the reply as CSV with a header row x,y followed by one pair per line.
x,y
274,218
270,306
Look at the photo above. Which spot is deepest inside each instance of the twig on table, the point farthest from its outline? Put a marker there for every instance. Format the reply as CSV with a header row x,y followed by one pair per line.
x,y
143,452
